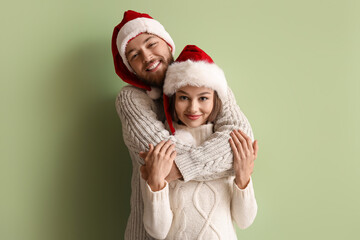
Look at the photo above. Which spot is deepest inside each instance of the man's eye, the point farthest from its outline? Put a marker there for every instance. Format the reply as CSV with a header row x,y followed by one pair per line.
x,y
134,56
152,44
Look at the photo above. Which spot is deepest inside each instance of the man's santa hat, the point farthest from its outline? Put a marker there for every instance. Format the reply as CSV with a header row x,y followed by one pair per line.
x,y
132,25
193,67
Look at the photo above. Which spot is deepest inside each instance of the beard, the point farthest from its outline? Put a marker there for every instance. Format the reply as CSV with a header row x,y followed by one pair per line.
x,y
157,79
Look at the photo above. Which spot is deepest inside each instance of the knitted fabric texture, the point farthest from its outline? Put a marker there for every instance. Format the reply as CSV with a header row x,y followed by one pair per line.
x,y
198,210
142,123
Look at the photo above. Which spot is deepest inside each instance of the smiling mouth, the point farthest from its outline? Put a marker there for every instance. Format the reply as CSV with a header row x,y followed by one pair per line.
x,y
153,66
193,117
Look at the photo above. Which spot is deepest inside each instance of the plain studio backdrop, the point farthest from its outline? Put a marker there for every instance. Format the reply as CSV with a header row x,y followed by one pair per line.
x,y
293,66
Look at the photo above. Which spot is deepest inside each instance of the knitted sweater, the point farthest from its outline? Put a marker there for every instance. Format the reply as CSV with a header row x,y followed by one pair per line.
x,y
142,123
198,210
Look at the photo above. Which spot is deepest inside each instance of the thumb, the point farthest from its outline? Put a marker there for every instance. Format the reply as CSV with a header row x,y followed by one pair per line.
x,y
143,154
143,172
256,148
151,148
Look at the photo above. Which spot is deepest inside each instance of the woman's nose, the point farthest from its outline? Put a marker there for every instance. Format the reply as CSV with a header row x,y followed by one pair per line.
x,y
193,107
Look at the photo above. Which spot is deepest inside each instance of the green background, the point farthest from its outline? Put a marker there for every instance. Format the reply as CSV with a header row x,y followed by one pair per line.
x,y
293,66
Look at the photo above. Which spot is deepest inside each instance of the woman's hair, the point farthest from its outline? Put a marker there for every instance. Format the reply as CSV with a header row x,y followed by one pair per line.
x,y
214,113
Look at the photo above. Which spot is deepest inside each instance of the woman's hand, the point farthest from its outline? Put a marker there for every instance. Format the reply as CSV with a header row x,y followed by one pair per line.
x,y
245,153
173,175
158,163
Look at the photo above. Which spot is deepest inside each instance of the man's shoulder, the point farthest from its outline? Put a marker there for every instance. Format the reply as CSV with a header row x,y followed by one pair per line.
x,y
129,89
130,96
132,93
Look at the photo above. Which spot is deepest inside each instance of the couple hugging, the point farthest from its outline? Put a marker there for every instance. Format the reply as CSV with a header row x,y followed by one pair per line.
x,y
192,148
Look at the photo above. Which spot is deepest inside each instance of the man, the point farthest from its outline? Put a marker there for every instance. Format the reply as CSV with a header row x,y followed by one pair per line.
x,y
142,51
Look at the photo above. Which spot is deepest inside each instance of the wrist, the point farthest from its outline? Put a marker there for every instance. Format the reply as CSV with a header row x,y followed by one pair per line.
x,y
242,182
156,184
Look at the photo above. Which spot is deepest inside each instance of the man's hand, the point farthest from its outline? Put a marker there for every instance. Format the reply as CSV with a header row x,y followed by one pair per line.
x,y
144,173
174,174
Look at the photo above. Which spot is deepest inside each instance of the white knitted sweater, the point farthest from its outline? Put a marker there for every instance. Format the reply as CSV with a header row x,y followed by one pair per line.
x,y
198,210
142,123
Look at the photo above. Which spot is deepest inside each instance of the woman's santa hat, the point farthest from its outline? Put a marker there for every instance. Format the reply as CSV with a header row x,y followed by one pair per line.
x,y
193,67
132,25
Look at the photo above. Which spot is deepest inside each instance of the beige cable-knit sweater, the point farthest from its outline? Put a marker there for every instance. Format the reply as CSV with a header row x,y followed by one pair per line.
x,y
198,209
142,123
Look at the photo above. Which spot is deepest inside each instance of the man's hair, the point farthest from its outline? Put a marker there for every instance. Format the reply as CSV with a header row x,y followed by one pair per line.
x,y
214,113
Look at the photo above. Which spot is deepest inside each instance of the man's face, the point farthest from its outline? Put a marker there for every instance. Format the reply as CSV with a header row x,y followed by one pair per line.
x,y
149,56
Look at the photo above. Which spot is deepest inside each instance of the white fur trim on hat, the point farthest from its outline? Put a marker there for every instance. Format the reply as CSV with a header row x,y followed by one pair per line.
x,y
199,74
140,25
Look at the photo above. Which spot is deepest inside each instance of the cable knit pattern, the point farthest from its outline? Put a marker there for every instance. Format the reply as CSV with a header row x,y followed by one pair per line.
x,y
207,217
202,210
179,212
142,123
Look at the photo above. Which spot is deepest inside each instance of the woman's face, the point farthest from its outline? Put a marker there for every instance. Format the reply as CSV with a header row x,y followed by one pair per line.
x,y
193,105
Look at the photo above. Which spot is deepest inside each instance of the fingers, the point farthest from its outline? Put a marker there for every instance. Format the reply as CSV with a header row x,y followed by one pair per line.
x,y
159,146
151,148
170,150
173,156
166,146
244,139
248,140
238,144
256,148
233,148
148,154
143,154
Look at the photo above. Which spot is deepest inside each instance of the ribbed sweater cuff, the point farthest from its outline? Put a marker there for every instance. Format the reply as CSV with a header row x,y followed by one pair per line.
x,y
157,196
188,169
243,193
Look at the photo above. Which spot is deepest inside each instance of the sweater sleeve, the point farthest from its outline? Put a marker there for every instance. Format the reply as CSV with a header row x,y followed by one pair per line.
x,y
212,160
157,212
243,205
140,125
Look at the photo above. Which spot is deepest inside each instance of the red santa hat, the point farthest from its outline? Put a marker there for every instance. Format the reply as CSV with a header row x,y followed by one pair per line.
x,y
195,68
132,25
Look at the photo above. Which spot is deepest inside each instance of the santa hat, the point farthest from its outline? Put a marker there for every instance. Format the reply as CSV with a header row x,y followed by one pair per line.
x,y
132,25
195,68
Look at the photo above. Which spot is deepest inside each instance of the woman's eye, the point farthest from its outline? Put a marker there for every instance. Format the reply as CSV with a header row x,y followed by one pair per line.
x,y
203,98
183,98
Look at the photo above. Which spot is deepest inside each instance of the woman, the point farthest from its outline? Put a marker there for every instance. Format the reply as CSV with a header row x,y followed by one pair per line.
x,y
195,88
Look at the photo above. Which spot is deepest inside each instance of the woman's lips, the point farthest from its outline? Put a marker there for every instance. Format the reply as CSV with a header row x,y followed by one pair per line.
x,y
192,117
